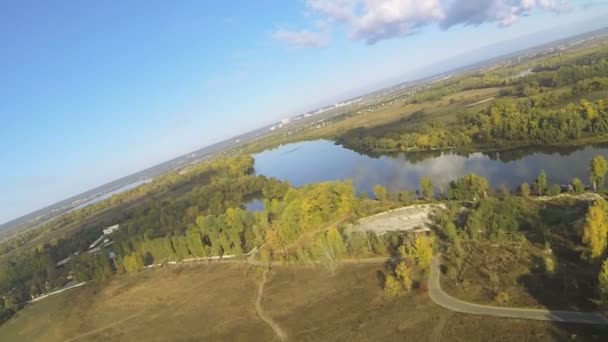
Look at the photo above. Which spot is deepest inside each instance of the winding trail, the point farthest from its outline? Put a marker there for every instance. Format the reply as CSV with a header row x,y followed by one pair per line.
x,y
443,299
263,315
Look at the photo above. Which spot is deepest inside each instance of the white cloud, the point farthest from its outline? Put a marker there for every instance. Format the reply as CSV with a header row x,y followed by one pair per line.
x,y
382,19
503,12
301,38
375,20
337,10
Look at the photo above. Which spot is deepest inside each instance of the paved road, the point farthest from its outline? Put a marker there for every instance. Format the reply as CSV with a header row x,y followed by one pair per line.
x,y
443,299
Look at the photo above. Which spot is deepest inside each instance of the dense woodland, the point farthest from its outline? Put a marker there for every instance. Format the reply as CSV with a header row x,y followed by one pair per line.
x,y
534,109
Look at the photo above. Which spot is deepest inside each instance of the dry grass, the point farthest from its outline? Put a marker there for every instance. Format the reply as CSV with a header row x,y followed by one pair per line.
x,y
216,303
212,303
312,305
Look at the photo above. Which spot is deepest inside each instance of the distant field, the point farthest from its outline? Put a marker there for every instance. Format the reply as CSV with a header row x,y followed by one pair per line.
x,y
207,303
216,303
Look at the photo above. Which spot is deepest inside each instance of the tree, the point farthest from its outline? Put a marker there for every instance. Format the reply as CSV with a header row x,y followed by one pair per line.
x,y
470,187
330,248
426,186
578,186
554,190
524,190
423,247
541,183
380,192
602,281
133,263
405,276
550,265
598,168
392,286
595,231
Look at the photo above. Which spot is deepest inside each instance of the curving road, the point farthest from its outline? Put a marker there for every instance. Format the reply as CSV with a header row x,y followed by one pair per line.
x,y
443,299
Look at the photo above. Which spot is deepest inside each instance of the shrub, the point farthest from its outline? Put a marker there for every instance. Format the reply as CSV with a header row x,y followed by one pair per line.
x,y
502,297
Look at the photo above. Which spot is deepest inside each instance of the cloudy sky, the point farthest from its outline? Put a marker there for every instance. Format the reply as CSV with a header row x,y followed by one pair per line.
x,y
96,90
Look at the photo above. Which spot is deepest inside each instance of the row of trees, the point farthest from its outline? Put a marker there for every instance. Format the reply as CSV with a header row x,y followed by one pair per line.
x,y
504,123
524,115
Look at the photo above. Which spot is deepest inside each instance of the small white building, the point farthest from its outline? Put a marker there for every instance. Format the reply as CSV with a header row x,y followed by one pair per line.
x,y
111,229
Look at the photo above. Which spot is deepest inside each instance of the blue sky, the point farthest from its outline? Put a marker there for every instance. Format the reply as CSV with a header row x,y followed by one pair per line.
x,y
96,90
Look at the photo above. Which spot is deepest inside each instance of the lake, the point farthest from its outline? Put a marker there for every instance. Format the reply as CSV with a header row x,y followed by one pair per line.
x,y
109,194
322,160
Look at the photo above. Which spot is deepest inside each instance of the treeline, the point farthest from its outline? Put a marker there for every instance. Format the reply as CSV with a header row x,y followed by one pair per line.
x,y
184,179
505,123
524,115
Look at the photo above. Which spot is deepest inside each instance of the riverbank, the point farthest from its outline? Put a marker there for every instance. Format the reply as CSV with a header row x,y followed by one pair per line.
x,y
477,148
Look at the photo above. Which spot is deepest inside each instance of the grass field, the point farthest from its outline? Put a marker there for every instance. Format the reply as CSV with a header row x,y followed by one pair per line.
x,y
205,303
216,303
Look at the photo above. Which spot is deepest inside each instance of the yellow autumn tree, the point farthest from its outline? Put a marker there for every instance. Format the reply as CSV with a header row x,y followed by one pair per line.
x,y
405,276
392,286
595,231
133,263
424,251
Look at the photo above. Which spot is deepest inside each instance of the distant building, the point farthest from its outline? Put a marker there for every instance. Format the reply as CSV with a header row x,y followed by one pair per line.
x,y
111,229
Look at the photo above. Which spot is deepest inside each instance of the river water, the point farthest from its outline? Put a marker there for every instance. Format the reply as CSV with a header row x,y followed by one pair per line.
x,y
321,160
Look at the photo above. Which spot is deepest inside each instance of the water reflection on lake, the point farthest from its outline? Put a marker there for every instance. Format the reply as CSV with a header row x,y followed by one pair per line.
x,y
316,161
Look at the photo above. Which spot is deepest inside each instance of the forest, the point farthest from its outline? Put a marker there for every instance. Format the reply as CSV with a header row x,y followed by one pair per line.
x,y
545,107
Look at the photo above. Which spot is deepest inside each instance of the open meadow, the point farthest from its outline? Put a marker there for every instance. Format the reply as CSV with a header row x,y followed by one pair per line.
x,y
216,303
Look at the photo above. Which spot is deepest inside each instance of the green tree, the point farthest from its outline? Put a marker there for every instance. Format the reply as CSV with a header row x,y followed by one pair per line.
x,y
554,190
380,192
595,231
470,187
426,186
541,183
578,186
598,168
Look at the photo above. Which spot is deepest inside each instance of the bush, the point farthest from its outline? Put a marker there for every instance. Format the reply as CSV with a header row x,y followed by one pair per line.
x,y
554,190
578,186
524,190
502,297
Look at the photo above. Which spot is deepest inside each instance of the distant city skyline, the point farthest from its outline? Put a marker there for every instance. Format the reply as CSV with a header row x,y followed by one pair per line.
x,y
97,91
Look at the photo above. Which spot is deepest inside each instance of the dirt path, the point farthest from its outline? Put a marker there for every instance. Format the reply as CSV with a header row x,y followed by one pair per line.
x,y
263,315
98,330
438,330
